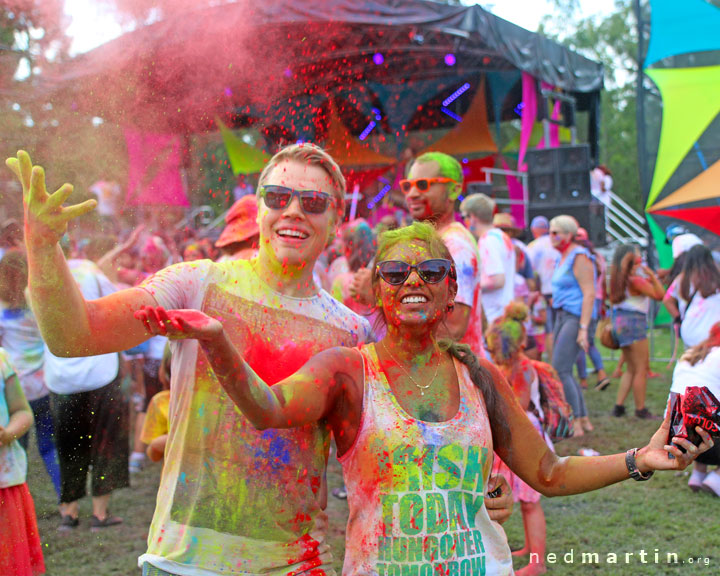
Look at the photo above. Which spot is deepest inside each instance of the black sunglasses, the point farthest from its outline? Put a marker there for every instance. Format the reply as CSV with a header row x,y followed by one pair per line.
x,y
395,272
312,201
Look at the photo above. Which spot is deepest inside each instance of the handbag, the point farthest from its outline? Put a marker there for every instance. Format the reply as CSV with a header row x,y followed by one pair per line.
x,y
604,334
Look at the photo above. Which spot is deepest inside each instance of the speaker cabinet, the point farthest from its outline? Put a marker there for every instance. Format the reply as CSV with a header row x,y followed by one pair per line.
x,y
479,187
559,175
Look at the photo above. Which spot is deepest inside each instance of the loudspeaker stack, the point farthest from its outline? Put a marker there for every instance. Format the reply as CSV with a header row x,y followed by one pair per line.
x,y
559,183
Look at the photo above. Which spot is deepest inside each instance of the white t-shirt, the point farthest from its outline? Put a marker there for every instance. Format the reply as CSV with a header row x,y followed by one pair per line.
x,y
73,375
698,316
544,259
20,337
13,460
464,251
705,373
497,256
234,500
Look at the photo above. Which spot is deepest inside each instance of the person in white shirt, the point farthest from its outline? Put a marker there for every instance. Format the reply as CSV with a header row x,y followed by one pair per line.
x,y
601,183
92,427
497,255
700,366
544,258
693,298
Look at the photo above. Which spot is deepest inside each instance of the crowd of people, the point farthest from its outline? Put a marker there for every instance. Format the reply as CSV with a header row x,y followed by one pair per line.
x,y
417,349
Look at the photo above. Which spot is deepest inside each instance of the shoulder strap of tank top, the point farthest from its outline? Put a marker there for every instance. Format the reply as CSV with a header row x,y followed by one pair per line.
x,y
468,390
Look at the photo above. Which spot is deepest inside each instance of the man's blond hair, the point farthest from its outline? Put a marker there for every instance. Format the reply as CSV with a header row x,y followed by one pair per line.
x,y
312,155
479,205
567,224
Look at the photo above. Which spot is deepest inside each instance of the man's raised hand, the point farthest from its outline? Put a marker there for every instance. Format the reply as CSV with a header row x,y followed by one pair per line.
x,y
46,218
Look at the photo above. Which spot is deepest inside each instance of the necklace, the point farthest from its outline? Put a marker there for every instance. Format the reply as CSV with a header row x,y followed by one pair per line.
x,y
419,386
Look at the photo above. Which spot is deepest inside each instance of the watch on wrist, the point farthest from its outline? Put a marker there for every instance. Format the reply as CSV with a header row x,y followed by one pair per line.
x,y
635,474
583,326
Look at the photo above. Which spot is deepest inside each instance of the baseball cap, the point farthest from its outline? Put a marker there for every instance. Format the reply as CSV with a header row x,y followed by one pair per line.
x,y
540,222
504,220
683,243
240,222
673,231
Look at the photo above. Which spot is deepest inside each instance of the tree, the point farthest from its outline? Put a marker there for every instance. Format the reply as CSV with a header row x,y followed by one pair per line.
x,y
612,40
30,31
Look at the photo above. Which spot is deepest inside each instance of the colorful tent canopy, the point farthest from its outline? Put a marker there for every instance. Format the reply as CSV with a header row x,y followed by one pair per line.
x,y
472,135
347,150
690,103
244,159
705,186
664,249
681,28
707,217
178,72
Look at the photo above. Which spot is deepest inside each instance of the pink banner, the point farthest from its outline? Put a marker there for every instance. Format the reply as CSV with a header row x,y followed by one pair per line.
x,y
154,170
529,114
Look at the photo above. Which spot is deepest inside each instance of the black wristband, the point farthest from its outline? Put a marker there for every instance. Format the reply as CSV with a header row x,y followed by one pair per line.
x,y
635,474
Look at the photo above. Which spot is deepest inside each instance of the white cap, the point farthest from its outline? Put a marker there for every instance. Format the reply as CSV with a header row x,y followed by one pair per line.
x,y
683,243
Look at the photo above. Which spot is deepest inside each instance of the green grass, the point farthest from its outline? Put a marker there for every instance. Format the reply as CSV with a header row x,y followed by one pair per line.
x,y
661,514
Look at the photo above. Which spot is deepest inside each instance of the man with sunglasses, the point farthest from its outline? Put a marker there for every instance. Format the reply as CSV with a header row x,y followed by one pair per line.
x,y
232,500
433,184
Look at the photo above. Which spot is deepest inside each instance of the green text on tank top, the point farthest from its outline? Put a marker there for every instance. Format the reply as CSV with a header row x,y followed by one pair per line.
x,y
416,488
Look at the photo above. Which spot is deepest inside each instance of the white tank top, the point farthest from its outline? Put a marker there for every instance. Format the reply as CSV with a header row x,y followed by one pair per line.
x,y
637,303
416,489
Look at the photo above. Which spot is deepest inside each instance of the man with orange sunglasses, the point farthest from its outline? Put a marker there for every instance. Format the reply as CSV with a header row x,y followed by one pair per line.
x,y
433,184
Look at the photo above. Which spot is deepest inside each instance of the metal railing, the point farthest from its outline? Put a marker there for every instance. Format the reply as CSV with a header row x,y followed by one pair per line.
x,y
622,222
522,176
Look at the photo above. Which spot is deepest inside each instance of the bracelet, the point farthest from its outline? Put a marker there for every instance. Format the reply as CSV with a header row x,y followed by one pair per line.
x,y
631,464
583,327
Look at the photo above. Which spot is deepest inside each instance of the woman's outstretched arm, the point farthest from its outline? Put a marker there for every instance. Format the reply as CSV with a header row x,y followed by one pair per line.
x,y
531,459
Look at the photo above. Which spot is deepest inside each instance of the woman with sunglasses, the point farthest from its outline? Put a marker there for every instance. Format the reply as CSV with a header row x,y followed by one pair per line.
x,y
416,422
573,300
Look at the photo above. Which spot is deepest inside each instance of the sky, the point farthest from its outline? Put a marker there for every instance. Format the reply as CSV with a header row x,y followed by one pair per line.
x,y
91,26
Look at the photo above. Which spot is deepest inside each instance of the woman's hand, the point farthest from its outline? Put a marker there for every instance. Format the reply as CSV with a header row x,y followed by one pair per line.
x,y
5,438
582,339
179,324
500,504
655,455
